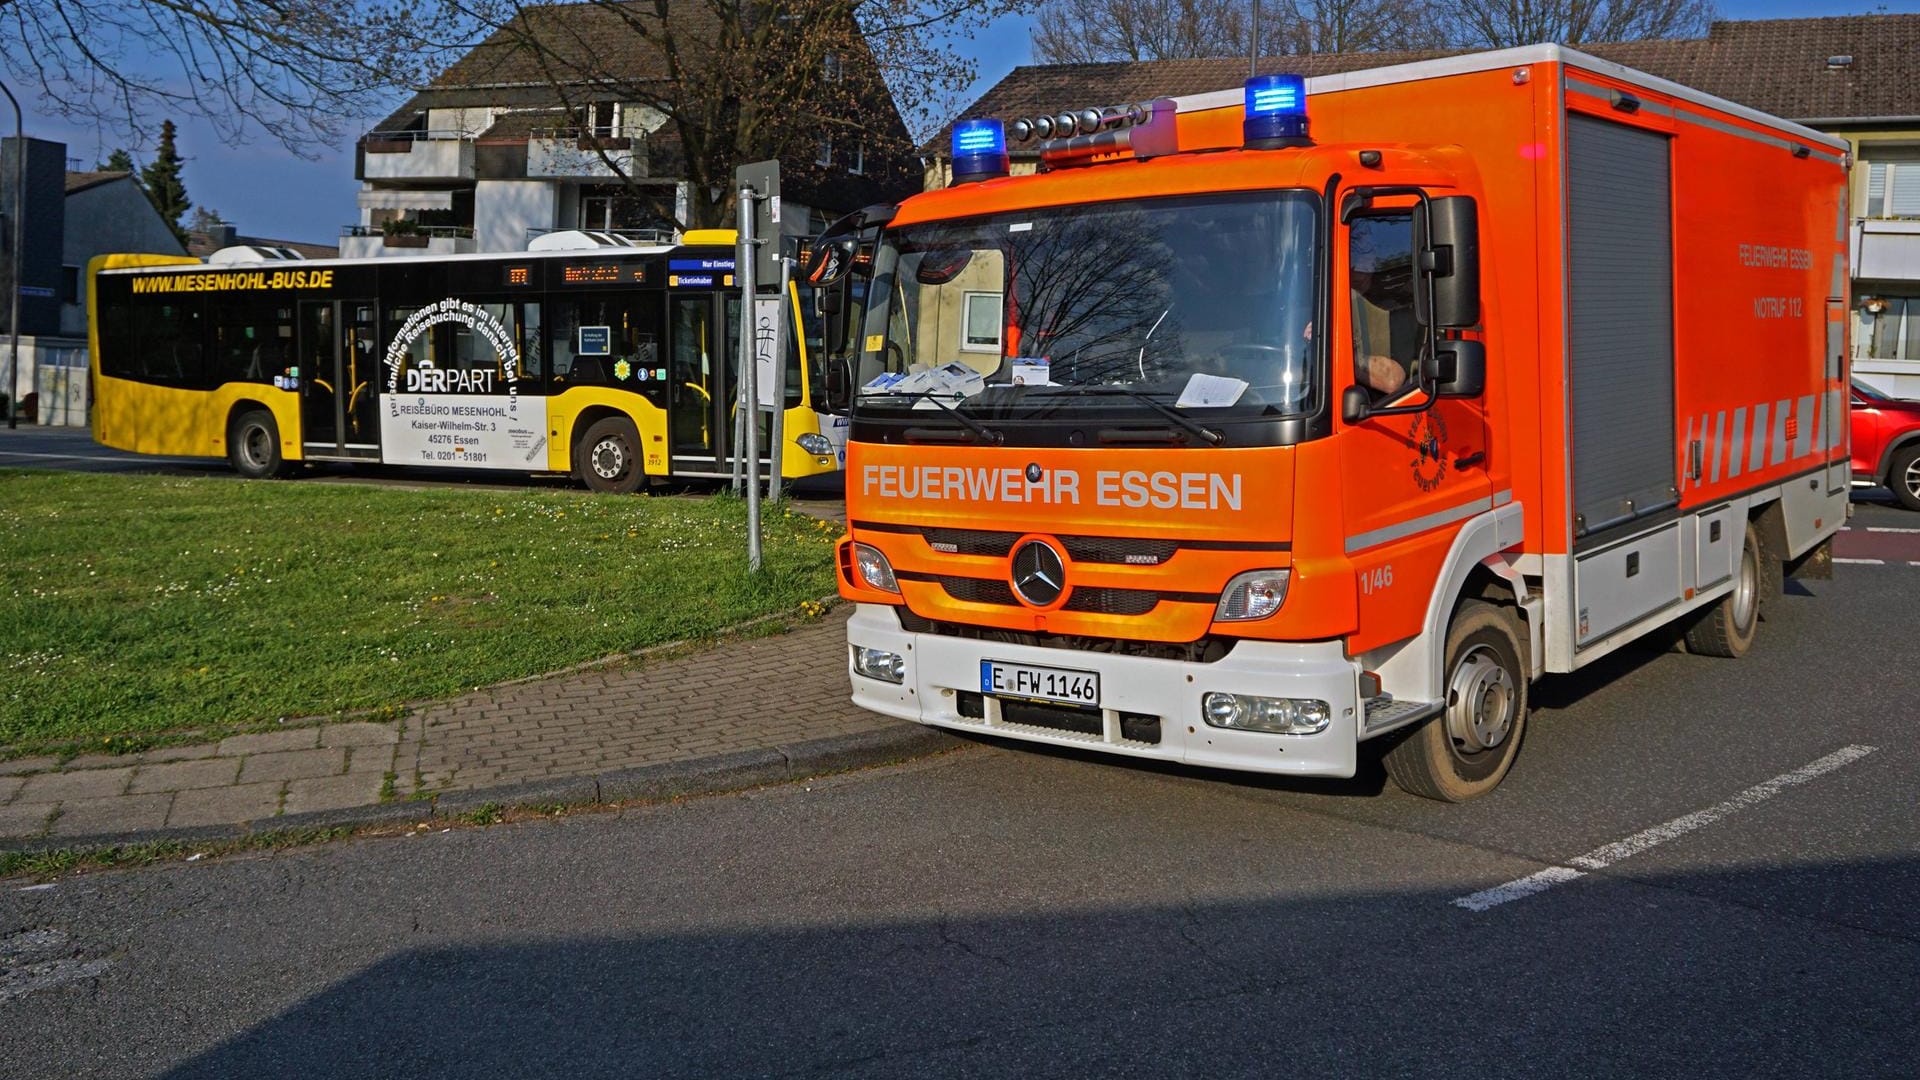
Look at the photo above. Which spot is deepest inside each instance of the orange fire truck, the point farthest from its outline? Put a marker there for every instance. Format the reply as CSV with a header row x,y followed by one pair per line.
x,y
1260,424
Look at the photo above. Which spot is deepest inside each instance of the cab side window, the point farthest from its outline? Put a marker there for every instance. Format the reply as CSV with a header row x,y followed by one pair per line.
x,y
1386,335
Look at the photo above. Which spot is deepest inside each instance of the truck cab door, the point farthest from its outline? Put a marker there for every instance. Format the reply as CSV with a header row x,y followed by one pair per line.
x,y
1409,478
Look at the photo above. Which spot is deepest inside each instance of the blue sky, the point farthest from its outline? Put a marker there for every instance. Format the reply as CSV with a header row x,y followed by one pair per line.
x,y
267,191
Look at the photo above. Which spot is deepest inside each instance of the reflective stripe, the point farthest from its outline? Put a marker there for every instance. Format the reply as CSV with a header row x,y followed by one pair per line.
x,y
1719,443
1429,521
1803,439
1757,454
1735,451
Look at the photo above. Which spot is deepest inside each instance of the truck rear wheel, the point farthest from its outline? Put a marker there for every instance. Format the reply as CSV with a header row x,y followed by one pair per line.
x,y
610,457
253,445
1465,752
1728,627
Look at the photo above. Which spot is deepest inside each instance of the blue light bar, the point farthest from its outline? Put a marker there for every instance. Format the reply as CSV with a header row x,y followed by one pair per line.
x,y
979,150
1276,109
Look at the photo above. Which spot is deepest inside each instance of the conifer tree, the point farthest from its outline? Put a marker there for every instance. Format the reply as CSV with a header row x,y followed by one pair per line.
x,y
119,161
161,178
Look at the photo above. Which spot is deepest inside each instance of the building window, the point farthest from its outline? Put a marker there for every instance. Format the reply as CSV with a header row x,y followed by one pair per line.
x,y
980,328
824,155
69,284
859,164
604,119
831,67
611,206
1893,187
1893,334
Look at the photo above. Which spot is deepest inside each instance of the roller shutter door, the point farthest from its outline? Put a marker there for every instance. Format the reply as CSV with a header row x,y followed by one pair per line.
x,y
1620,322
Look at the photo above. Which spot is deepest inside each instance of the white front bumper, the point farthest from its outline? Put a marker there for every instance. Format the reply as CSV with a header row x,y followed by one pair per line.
x,y
939,668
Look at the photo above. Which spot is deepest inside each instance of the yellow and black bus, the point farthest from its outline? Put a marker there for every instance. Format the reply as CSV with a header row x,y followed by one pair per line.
x,y
613,364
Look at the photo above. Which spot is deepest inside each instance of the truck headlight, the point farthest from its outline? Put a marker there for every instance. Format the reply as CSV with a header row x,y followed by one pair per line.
x,y
1255,594
815,444
1276,716
874,568
879,664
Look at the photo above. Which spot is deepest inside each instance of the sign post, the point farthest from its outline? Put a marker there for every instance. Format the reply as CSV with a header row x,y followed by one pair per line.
x,y
757,210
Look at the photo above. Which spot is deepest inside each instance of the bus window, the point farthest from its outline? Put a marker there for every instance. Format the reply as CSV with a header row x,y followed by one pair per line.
x,y
165,344
633,359
472,351
250,339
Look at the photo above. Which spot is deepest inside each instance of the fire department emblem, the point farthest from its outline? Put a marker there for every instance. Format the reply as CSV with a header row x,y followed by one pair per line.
x,y
1429,437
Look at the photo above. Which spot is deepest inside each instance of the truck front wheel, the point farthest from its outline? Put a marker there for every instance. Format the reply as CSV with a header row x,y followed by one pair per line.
x,y
1465,752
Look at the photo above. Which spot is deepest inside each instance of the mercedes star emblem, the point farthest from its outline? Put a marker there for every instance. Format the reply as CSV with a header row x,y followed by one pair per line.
x,y
1039,574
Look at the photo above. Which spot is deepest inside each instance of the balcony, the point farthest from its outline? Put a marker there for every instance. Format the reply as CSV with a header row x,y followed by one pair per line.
x,y
372,241
571,153
1886,249
417,155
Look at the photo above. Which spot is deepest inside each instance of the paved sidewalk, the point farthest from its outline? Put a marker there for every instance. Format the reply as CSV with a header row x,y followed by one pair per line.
x,y
743,712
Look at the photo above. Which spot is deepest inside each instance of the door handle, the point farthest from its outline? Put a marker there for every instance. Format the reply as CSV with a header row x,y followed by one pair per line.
x,y
1467,460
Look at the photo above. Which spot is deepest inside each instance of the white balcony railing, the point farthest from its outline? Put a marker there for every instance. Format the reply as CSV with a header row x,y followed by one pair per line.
x,y
418,155
371,241
1886,249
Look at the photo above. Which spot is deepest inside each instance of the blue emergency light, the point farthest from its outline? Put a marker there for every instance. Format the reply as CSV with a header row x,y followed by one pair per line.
x,y
1276,112
979,150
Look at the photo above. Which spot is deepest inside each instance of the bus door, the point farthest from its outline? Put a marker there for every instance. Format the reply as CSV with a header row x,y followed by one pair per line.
x,y
338,372
702,366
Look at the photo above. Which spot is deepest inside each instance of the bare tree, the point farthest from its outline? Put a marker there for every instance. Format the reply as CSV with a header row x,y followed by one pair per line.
x,y
1499,24
299,71
802,81
1090,31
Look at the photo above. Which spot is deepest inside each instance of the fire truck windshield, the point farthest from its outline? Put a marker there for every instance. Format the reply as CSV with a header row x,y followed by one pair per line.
x,y
1201,303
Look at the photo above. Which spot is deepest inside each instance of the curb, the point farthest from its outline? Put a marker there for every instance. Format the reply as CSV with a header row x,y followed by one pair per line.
x,y
649,783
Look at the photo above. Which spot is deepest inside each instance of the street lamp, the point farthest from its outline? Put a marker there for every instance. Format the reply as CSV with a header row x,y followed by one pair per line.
x,y
14,226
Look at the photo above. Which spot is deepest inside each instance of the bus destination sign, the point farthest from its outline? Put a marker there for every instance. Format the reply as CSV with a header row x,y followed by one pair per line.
x,y
603,273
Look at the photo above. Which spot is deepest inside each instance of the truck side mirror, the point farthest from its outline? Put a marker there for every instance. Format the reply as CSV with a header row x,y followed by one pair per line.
x,y
1459,368
1354,405
1456,262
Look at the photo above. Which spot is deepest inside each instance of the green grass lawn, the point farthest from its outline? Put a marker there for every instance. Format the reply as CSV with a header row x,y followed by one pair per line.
x,y
134,605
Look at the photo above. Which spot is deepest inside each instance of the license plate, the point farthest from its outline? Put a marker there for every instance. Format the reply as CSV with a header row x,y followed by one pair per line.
x,y
1042,683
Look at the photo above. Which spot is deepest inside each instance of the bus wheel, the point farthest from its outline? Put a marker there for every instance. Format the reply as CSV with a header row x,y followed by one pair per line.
x,y
1465,751
253,445
1727,628
610,457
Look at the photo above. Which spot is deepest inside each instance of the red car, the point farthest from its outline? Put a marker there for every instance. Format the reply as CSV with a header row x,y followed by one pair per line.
x,y
1886,443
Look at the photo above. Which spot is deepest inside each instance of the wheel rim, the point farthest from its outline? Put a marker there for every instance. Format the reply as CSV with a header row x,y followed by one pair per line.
x,y
1912,478
1481,700
255,446
1745,593
609,459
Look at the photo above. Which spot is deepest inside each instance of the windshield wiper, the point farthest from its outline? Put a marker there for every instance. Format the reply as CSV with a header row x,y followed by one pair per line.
x,y
1211,436
975,426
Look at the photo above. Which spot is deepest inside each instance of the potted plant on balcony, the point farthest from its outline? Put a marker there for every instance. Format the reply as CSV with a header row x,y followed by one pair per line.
x,y
402,232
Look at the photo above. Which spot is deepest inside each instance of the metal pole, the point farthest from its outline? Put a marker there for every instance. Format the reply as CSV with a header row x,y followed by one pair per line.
x,y
782,325
743,266
15,225
1253,49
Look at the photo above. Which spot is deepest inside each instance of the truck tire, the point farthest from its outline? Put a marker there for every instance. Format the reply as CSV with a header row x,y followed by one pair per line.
x,y
1903,476
1728,627
609,459
1466,750
253,445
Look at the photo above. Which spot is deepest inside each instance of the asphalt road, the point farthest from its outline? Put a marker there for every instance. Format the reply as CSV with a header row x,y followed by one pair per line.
x,y
1738,877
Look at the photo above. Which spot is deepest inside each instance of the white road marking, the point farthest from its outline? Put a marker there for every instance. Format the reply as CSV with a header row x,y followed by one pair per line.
x,y
1607,854
1888,529
1862,562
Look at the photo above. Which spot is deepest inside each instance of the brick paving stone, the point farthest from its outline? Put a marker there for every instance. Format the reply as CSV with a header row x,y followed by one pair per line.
x,y
269,741
101,761
180,753
10,786
27,765
87,784
332,792
118,814
225,805
374,759
27,820
293,765
359,734
174,776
